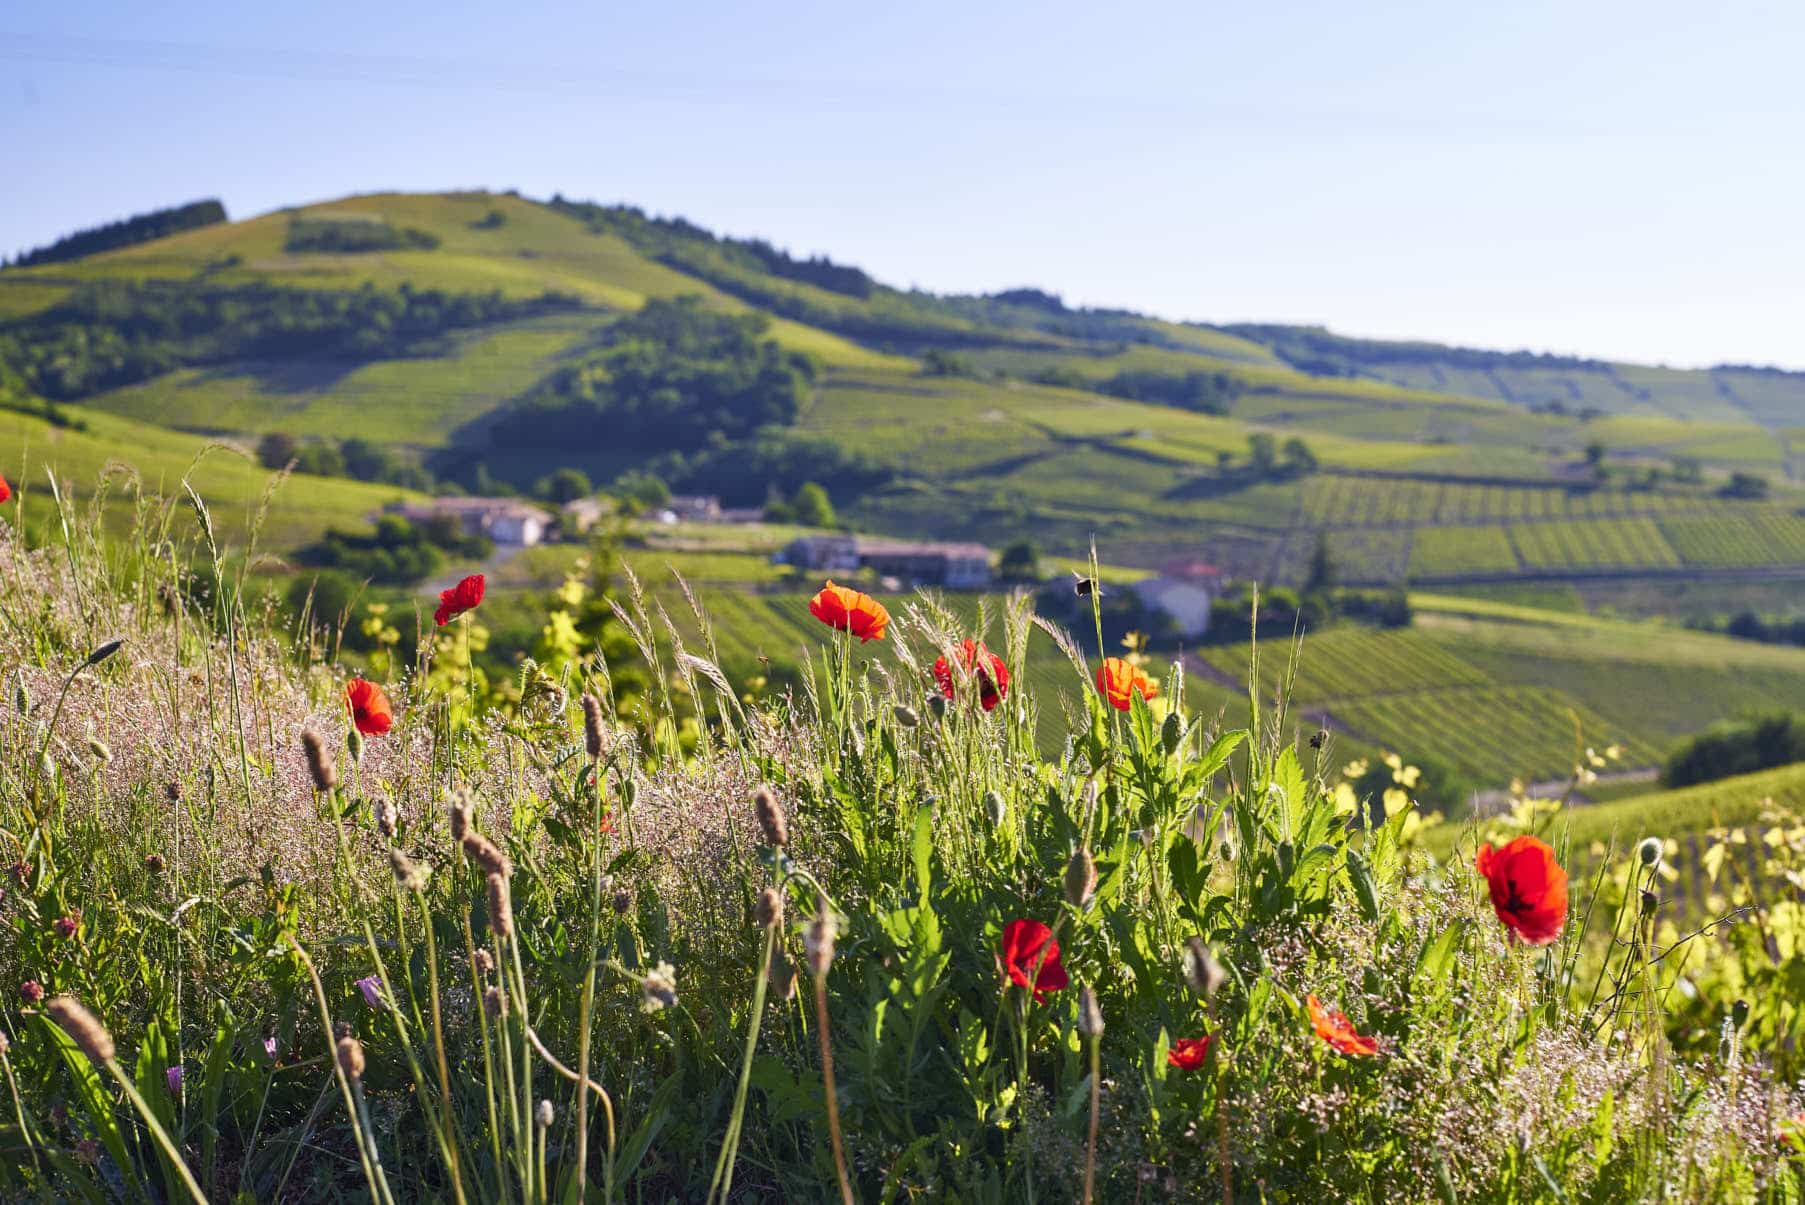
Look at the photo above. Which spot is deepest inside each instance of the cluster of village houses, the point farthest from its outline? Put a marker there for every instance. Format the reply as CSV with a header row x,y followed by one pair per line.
x,y
1181,590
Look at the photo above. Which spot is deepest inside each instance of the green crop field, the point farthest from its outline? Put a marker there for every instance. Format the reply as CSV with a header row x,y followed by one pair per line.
x,y
1448,551
1737,537
1605,543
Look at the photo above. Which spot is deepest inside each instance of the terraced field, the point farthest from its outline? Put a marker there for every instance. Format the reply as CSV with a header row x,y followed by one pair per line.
x,y
1737,537
1345,662
1602,543
1531,732
1342,500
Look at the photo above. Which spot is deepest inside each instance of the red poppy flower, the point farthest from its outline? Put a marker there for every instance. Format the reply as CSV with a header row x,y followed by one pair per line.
x,y
1118,680
847,610
370,709
1529,888
6,491
986,666
1028,944
467,595
1339,1032
1187,1054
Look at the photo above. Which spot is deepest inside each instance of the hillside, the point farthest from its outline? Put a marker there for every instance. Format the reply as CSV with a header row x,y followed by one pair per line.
x,y
995,417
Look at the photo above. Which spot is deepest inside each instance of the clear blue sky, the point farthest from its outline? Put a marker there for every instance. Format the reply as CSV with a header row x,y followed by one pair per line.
x,y
1621,179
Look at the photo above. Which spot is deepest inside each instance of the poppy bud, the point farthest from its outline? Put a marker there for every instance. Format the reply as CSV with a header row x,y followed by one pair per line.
x,y
623,902
1171,732
906,716
354,741
593,726
818,939
767,910
1649,851
937,705
501,908
172,790
1650,901
1080,878
1203,974
21,696
325,774
995,808
771,819
82,1026
1739,1013
103,652
99,749
544,1115
1090,1017
351,1057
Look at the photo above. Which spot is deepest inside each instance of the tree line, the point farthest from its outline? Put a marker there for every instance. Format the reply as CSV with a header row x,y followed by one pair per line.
x,y
140,228
108,334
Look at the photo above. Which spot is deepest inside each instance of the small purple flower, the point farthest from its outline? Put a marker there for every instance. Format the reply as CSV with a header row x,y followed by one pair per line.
x,y
174,1076
269,1047
371,987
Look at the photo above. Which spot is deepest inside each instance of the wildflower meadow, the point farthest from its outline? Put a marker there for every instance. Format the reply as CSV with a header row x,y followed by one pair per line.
x,y
284,925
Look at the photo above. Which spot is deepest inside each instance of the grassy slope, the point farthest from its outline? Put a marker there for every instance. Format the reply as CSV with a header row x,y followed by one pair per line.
x,y
231,484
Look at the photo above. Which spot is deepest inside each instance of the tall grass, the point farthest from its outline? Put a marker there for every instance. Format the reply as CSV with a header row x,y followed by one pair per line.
x,y
611,932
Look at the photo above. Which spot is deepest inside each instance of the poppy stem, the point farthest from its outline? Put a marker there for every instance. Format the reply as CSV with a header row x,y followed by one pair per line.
x,y
1090,1150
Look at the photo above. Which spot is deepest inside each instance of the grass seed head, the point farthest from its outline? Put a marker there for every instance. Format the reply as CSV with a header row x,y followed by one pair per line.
x,y
501,908
818,939
544,1114
319,763
623,902
494,1003
767,910
485,855
783,979
1649,852
409,874
82,1026
351,1057
1203,974
594,729
485,962
460,813
658,990
771,820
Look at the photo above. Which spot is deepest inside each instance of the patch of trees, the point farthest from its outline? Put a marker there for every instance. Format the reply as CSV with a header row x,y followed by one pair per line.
x,y
673,376
673,236
1284,611
397,552
113,333
354,457
141,228
809,506
773,462
347,236
1742,746
1752,487
1204,392
1317,351
1750,625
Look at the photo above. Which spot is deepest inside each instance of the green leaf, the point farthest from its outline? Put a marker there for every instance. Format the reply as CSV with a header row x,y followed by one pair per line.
x,y
922,849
